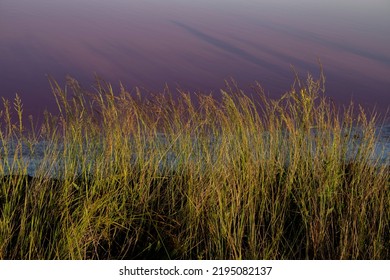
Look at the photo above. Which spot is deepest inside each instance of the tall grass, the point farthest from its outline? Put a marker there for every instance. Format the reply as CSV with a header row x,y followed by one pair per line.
x,y
180,176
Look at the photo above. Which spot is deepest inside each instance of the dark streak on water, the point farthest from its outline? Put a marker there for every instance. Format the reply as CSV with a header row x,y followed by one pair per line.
x,y
224,46
313,37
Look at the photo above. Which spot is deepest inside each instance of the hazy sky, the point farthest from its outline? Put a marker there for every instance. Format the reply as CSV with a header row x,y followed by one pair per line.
x,y
196,44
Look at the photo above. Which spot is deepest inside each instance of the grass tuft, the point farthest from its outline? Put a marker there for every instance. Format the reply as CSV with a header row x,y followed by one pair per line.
x,y
180,176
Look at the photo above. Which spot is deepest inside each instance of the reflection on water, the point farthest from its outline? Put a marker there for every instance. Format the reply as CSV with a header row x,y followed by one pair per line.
x,y
46,158
195,44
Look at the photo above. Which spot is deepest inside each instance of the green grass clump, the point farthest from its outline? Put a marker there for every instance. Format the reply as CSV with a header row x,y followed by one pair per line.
x,y
122,176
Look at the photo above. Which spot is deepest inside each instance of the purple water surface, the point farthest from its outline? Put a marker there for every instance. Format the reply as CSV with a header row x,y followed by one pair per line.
x,y
196,45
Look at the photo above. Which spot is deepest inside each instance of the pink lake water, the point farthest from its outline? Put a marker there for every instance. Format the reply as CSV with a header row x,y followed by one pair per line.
x,y
195,45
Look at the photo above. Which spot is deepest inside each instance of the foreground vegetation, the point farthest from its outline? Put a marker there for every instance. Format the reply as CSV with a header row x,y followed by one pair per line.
x,y
192,177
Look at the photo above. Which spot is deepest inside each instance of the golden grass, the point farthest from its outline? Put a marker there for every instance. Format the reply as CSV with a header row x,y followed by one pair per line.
x,y
193,177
